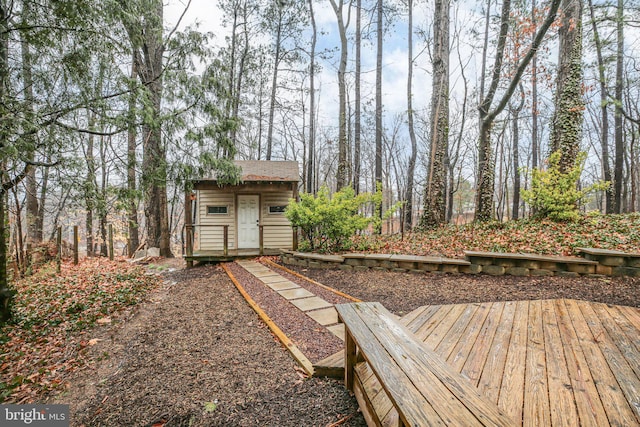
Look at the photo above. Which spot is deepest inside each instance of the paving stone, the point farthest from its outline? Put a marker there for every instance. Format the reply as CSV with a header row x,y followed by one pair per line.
x,y
326,316
283,285
295,293
271,279
337,330
311,303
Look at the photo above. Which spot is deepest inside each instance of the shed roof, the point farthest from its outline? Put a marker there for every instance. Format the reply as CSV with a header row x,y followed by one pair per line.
x,y
268,170
264,170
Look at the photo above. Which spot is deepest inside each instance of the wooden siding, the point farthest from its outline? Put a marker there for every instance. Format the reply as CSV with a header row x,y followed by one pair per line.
x,y
277,230
209,230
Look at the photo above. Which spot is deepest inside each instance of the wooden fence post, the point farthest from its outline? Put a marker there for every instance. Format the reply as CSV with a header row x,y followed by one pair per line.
x,y
75,245
261,227
225,235
59,250
111,242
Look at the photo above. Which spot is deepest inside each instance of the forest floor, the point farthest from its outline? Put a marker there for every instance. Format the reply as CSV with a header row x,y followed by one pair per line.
x,y
195,354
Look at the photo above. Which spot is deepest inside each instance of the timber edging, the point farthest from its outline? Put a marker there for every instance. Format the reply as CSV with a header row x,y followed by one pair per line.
x,y
593,262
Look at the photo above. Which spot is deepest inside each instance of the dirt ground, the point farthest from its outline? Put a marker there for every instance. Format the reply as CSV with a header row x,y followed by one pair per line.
x,y
195,354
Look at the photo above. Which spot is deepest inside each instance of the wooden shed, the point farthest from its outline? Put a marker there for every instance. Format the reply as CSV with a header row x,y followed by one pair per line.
x,y
226,221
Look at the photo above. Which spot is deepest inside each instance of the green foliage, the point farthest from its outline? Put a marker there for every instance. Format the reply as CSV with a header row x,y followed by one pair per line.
x,y
555,195
327,222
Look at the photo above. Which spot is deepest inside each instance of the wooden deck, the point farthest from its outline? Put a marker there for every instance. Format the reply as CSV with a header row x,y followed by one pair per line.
x,y
544,363
231,255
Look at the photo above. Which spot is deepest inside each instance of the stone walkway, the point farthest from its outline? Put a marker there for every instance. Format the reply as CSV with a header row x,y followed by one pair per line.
x,y
323,312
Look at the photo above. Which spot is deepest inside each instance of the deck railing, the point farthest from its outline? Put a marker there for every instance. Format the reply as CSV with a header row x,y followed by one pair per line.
x,y
188,236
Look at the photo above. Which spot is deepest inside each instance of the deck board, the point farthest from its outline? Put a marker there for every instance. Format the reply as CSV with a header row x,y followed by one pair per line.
x,y
550,362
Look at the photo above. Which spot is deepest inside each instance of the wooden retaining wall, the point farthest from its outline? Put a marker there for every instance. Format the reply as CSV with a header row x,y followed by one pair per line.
x,y
592,263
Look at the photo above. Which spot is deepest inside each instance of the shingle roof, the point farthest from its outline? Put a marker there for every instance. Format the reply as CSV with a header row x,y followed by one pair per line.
x,y
263,170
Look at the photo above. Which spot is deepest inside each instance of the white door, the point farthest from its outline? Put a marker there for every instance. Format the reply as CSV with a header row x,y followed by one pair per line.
x,y
248,220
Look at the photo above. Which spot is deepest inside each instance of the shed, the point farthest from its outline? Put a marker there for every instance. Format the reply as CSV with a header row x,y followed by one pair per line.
x,y
226,221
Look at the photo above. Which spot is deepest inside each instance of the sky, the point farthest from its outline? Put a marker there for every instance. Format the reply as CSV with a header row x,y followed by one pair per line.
x,y
394,60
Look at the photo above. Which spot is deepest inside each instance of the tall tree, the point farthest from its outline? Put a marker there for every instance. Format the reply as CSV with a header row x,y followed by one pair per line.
x,y
133,240
312,102
357,124
144,24
566,126
435,206
486,173
618,165
604,111
408,196
343,23
379,126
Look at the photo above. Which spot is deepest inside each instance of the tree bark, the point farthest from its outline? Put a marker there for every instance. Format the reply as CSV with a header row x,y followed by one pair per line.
x,y
435,206
274,84
312,102
408,196
604,134
379,128
567,120
357,126
618,166
341,175
486,172
132,200
154,160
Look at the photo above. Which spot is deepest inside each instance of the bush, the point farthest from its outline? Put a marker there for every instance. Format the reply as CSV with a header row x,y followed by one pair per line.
x,y
328,222
554,194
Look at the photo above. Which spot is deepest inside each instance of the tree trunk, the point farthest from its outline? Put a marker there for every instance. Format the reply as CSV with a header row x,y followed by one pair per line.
x,y
618,167
358,100
515,134
274,85
341,175
486,173
534,96
379,128
90,188
132,201
408,196
435,206
569,107
34,236
312,102
604,136
154,160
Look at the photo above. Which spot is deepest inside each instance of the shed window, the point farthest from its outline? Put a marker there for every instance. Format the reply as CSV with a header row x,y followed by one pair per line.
x,y
217,210
277,209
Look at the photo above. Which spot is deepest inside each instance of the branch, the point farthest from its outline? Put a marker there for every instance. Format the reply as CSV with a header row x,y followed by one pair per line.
x,y
175,28
88,131
537,41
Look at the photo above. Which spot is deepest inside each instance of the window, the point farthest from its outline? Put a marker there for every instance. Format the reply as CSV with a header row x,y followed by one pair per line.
x,y
277,209
217,210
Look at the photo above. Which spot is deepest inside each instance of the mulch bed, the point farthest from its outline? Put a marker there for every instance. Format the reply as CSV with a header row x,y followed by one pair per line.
x,y
315,341
196,354
404,292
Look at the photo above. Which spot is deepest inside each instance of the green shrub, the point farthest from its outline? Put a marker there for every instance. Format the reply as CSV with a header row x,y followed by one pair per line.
x,y
328,222
554,194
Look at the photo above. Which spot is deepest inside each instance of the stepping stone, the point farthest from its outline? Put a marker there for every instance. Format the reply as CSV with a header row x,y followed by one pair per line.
x,y
312,303
281,286
271,279
326,316
337,330
295,293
